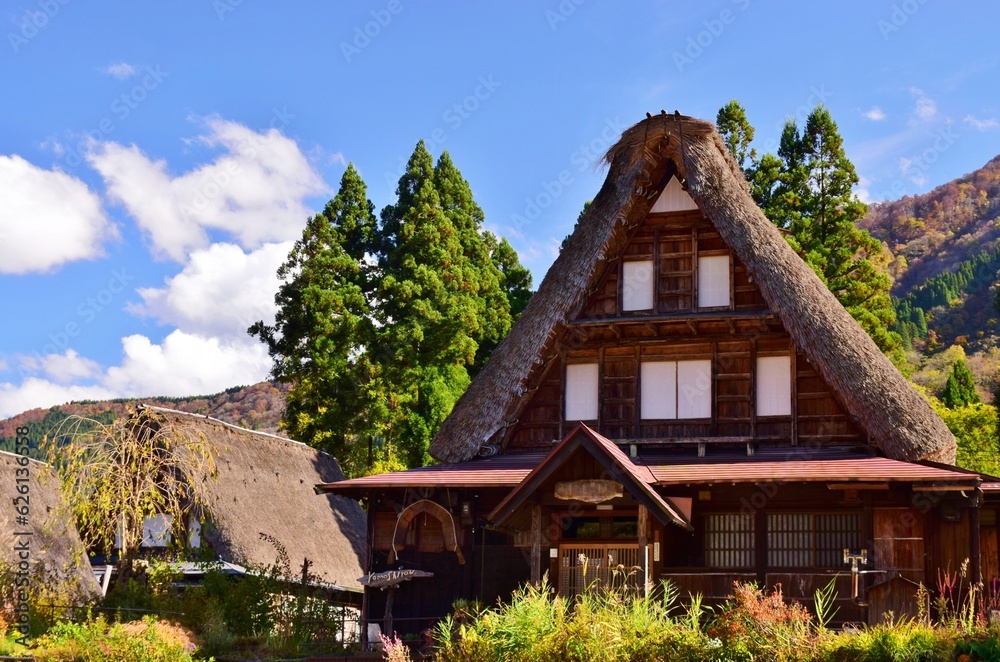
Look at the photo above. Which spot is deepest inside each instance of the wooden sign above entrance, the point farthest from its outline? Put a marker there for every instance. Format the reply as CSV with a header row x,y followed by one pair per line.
x,y
590,491
391,577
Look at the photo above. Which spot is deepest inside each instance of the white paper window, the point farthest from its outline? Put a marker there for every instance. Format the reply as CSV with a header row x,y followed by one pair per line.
x,y
729,540
581,392
658,382
774,386
637,285
156,531
676,389
713,281
694,389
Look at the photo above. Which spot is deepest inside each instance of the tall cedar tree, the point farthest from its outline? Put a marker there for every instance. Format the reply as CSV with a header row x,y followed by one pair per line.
x,y
441,295
325,321
960,389
807,189
737,133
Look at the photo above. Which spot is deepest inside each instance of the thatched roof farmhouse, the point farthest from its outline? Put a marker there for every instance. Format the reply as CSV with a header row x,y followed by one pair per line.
x,y
682,398
56,551
264,485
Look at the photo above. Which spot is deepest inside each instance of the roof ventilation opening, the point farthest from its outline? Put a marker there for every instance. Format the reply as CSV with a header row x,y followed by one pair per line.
x,y
673,198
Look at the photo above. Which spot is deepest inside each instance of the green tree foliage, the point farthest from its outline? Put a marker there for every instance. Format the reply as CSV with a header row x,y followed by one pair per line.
x,y
325,321
737,133
807,189
380,325
975,429
960,389
947,290
516,279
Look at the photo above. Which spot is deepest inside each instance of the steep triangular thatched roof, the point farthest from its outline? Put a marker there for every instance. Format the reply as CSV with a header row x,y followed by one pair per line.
x,y
897,419
56,552
264,485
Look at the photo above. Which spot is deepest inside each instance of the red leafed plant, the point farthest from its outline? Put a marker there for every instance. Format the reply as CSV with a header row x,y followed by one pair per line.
x,y
761,623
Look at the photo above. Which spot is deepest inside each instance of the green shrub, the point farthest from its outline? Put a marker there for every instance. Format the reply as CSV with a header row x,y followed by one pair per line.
x,y
96,641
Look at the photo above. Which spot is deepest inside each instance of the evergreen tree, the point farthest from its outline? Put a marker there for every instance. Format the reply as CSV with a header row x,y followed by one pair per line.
x,y
822,213
324,322
960,389
737,133
516,281
483,281
443,302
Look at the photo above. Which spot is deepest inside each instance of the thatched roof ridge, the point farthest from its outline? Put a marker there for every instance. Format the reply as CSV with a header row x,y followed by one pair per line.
x,y
55,543
265,485
897,419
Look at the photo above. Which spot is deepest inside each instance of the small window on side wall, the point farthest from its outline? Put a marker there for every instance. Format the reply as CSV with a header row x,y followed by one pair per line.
x,y
713,281
774,386
637,285
581,392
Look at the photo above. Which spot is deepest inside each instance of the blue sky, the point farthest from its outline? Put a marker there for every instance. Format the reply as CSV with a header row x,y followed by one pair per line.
x,y
157,159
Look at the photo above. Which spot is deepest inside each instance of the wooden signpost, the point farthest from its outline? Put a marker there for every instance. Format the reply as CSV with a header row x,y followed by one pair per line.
x,y
391,579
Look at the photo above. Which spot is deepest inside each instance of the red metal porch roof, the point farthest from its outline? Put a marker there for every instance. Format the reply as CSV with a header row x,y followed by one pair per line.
x,y
860,470
508,471
500,471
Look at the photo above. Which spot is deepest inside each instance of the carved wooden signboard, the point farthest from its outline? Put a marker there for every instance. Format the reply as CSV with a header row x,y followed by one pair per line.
x,y
588,491
392,577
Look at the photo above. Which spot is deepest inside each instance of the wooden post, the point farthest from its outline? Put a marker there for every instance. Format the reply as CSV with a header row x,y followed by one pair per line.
x,y
643,525
536,544
390,595
975,552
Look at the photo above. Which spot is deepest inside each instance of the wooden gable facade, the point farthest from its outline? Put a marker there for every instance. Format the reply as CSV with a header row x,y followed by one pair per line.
x,y
682,400
714,352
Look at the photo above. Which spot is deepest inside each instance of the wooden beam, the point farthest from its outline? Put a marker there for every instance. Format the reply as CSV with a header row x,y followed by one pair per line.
x,y
643,525
974,553
536,544
858,486
944,488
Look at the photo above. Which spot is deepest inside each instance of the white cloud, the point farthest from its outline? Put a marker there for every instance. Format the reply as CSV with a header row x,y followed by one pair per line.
x,y
926,108
876,114
35,392
47,218
254,191
183,364
982,125
186,364
220,292
120,70
63,368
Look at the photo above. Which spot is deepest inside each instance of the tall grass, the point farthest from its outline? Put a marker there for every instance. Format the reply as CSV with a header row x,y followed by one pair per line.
x,y
606,625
